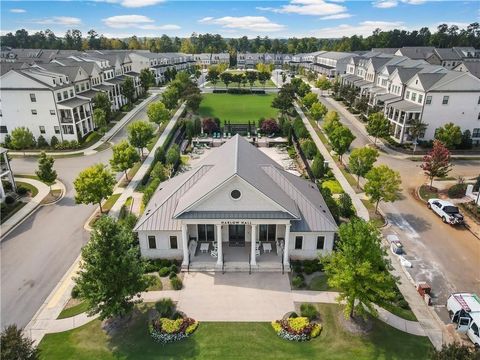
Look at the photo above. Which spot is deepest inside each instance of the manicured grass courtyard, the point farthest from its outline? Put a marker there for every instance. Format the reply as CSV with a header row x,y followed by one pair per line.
x,y
236,341
238,108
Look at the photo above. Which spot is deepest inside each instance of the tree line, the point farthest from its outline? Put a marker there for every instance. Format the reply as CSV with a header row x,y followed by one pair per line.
x,y
444,36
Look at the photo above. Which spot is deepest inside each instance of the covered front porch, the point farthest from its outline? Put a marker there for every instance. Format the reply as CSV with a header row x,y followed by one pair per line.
x,y
236,245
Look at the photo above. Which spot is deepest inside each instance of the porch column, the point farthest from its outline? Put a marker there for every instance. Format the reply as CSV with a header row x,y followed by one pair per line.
x,y
219,245
286,257
253,256
186,260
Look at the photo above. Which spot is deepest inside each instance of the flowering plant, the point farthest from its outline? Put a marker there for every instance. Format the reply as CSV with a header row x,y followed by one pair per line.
x,y
166,330
296,329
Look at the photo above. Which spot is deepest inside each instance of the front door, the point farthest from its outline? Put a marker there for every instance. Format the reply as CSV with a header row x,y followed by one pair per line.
x,y
236,235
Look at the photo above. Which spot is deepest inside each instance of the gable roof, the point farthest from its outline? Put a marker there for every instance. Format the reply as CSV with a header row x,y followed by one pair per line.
x,y
297,198
473,67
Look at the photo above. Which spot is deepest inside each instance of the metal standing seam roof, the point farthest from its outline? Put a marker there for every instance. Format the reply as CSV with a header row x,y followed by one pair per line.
x,y
73,102
406,106
300,199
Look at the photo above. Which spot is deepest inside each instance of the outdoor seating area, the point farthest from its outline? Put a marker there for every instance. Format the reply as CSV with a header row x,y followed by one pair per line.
x,y
207,252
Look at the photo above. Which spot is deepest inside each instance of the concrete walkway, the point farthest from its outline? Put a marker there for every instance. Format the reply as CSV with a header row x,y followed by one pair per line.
x,y
129,190
361,210
105,138
231,297
31,206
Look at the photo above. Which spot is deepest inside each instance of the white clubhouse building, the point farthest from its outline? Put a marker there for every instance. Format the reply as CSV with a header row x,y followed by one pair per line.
x,y
236,210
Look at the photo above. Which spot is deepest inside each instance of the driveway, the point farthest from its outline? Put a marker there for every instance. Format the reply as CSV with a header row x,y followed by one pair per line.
x,y
446,257
36,254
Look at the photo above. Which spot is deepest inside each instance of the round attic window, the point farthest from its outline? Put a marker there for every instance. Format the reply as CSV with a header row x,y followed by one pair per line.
x,y
235,194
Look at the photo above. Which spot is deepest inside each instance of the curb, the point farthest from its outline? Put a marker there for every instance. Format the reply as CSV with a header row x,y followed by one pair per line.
x,y
62,195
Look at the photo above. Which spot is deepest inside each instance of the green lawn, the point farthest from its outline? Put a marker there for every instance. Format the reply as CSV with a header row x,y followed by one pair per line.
x,y
236,341
74,310
33,190
238,108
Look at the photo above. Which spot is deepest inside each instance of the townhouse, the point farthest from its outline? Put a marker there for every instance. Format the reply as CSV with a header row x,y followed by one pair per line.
x,y
411,89
204,60
470,66
45,101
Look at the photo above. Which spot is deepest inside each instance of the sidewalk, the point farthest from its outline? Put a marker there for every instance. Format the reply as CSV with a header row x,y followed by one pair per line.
x,y
129,190
357,203
105,138
30,207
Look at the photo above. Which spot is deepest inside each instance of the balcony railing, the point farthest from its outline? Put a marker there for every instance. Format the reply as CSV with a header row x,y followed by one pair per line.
x,y
66,119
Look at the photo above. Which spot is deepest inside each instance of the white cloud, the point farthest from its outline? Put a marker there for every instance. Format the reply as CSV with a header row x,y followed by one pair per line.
x,y
387,4
60,20
18,11
133,3
136,21
336,16
364,28
308,7
252,23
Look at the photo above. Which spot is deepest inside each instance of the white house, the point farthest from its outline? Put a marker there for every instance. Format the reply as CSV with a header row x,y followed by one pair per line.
x,y
239,209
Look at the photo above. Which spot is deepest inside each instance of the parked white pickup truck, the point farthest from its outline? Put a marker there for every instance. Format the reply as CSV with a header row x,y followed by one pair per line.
x,y
446,210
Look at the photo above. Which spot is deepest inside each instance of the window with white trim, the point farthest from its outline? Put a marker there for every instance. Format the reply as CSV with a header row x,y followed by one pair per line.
x,y
42,129
428,100
298,242
320,242
445,100
152,242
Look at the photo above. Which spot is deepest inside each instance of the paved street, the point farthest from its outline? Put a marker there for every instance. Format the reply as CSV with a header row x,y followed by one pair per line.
x,y
444,256
37,253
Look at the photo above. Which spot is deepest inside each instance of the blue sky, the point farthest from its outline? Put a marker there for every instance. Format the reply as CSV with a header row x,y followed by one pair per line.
x,y
320,18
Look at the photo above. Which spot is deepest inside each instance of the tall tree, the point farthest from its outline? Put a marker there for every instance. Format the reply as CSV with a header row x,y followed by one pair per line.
x,y
417,129
361,161
358,269
282,102
15,345
318,110
449,134
170,97
341,138
111,271
124,157
251,77
100,120
128,89
93,185
226,77
46,172
139,134
318,167
437,162
383,184
157,112
22,139
213,75
147,79
378,126
101,101
309,99
331,121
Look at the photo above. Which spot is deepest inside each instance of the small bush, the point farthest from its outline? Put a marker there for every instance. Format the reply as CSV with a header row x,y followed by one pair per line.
x,y
293,315
457,191
298,281
22,190
311,266
75,294
317,329
163,272
41,142
9,200
172,275
176,283
309,311
54,141
174,268
165,308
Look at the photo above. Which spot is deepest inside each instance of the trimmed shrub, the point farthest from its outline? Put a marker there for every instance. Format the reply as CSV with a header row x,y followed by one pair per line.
x,y
22,190
9,200
174,268
176,283
54,141
298,281
75,294
41,142
165,308
309,311
457,191
172,275
164,271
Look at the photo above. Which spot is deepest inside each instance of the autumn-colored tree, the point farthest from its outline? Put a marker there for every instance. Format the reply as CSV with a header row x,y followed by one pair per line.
x,y
270,126
437,162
